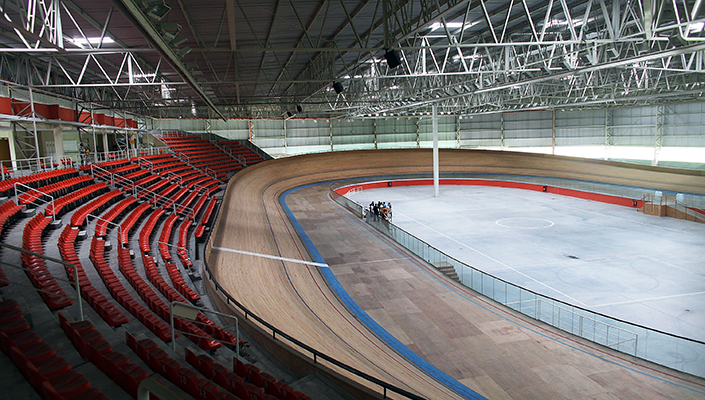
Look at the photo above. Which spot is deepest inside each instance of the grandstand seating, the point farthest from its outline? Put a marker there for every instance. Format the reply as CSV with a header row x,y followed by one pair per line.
x,y
8,214
203,154
240,150
122,296
53,295
93,297
164,184
7,186
49,373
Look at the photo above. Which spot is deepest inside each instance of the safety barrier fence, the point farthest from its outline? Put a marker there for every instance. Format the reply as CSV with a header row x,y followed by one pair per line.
x,y
676,352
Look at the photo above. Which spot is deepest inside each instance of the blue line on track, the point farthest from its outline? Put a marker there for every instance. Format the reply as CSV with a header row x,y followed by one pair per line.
x,y
365,318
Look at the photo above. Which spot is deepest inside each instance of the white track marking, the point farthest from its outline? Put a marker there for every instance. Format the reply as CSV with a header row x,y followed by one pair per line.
x,y
369,262
249,253
617,303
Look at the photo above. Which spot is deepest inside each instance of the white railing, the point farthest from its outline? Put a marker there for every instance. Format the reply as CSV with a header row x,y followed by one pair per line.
x,y
28,166
568,320
31,193
150,165
176,177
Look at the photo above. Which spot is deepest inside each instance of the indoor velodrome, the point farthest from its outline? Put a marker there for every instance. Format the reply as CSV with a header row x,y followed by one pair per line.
x,y
352,200
371,304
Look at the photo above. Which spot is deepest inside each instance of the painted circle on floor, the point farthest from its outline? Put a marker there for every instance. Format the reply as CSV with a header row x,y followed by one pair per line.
x,y
524,223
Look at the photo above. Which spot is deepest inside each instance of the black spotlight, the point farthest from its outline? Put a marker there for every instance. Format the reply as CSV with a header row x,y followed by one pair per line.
x,y
299,109
392,58
338,87
288,113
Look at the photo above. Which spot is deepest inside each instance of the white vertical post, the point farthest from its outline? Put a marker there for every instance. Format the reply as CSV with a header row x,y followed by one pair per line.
x,y
34,126
105,140
58,142
435,150
95,144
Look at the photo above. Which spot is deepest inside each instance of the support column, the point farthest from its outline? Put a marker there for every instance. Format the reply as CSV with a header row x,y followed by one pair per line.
x,y
58,142
105,141
659,133
501,131
330,127
608,132
418,133
457,132
553,131
34,126
435,151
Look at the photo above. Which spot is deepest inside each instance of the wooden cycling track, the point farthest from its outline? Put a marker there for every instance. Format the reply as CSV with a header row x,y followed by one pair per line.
x,y
298,300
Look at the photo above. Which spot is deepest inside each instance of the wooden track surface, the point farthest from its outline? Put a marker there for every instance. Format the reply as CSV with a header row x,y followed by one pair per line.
x,y
296,298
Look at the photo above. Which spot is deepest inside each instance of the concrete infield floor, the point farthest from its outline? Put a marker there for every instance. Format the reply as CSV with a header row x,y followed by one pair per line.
x,y
606,258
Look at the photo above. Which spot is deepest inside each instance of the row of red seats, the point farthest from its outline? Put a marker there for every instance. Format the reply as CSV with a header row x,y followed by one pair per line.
x,y
147,180
91,345
83,332
7,172
183,206
158,306
271,386
67,247
175,276
243,151
102,226
78,219
188,380
56,189
198,178
124,169
205,220
175,197
129,223
164,193
182,243
152,189
36,180
198,206
177,281
154,157
147,230
122,296
50,374
106,164
71,200
52,294
173,165
8,214
136,175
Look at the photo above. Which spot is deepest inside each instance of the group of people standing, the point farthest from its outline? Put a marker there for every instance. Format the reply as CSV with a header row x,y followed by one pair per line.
x,y
382,210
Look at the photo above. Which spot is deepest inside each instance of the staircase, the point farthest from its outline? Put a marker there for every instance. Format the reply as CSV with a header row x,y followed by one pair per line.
x,y
447,269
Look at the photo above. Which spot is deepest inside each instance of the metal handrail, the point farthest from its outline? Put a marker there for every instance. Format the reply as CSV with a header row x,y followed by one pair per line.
x,y
75,274
175,305
33,190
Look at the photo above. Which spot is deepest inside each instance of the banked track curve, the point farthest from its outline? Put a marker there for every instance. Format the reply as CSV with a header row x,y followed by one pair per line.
x,y
295,297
